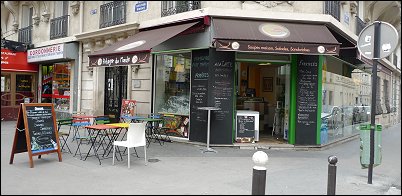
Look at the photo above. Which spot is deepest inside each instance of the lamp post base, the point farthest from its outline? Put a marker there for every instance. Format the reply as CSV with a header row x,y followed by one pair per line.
x,y
209,150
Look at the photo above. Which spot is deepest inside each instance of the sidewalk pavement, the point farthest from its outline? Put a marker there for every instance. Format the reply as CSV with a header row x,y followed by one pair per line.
x,y
179,168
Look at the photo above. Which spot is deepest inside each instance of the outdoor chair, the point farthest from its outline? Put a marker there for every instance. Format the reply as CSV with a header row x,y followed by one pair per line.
x,y
135,138
101,120
78,125
169,126
62,134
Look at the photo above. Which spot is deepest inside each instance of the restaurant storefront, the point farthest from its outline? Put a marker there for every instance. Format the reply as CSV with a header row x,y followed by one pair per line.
x,y
18,82
57,69
277,70
172,69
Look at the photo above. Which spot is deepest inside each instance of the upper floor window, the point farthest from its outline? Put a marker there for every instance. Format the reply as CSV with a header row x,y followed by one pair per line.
x,y
386,96
175,7
332,8
395,59
25,33
360,9
112,13
360,24
27,13
59,23
60,8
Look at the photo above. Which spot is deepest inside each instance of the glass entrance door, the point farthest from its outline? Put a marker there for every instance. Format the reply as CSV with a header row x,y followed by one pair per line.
x,y
115,90
16,88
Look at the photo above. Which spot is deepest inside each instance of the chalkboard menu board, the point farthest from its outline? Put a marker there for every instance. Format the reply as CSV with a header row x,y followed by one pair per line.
x,y
212,85
245,126
36,121
306,99
41,128
199,94
221,93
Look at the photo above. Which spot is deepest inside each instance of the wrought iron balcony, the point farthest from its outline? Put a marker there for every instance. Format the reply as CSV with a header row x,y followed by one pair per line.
x,y
175,7
25,35
359,25
59,27
113,13
332,8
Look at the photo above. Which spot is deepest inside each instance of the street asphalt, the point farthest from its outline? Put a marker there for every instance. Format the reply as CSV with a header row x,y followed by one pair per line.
x,y
183,169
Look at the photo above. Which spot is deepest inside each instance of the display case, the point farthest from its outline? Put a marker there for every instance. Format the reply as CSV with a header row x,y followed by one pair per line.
x,y
61,87
47,79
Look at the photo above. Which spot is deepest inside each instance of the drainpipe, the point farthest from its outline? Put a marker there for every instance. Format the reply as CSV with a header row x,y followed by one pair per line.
x,y
80,58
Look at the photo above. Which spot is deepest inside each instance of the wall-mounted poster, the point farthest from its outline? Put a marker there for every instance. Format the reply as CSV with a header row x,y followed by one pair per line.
x,y
128,107
168,60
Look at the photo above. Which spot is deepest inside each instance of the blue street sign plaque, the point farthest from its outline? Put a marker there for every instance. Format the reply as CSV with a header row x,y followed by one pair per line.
x,y
141,6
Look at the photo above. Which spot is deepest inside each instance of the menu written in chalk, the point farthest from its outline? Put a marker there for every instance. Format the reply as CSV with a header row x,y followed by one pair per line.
x,y
221,93
41,128
199,94
306,100
245,126
36,131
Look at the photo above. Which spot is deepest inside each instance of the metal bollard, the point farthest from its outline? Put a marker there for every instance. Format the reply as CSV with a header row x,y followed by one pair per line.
x,y
331,186
260,158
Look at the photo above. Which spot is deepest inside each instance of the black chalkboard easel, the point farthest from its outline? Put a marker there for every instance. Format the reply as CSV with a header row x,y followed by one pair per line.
x,y
36,131
245,126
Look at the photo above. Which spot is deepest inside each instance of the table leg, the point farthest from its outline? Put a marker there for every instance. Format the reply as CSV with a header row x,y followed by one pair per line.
x,y
93,145
115,136
208,133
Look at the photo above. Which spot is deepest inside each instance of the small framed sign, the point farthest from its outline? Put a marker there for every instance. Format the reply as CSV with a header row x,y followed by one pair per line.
x,y
136,83
267,84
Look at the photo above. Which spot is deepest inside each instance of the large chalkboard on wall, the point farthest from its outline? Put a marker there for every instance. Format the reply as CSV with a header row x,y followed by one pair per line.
x,y
306,100
221,93
36,131
199,94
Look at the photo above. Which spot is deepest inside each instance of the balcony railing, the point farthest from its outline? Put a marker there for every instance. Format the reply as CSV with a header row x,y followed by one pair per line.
x,y
332,8
175,7
359,25
113,13
59,27
25,35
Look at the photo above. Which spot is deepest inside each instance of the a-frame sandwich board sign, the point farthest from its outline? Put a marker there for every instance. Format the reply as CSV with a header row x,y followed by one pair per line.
x,y
36,131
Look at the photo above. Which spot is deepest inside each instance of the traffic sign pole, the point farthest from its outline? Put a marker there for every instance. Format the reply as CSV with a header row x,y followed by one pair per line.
x,y
377,36
376,41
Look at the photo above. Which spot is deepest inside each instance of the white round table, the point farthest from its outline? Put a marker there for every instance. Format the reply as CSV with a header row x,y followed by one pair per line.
x,y
208,128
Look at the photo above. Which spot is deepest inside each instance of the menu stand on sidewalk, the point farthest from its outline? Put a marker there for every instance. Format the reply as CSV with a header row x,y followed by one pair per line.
x,y
208,128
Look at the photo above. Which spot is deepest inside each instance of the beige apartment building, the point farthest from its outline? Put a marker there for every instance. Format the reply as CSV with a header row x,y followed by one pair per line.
x,y
93,54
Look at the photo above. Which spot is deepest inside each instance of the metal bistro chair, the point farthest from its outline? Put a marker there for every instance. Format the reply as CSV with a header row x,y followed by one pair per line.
x,y
101,120
77,125
62,134
135,138
79,122
155,128
169,126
